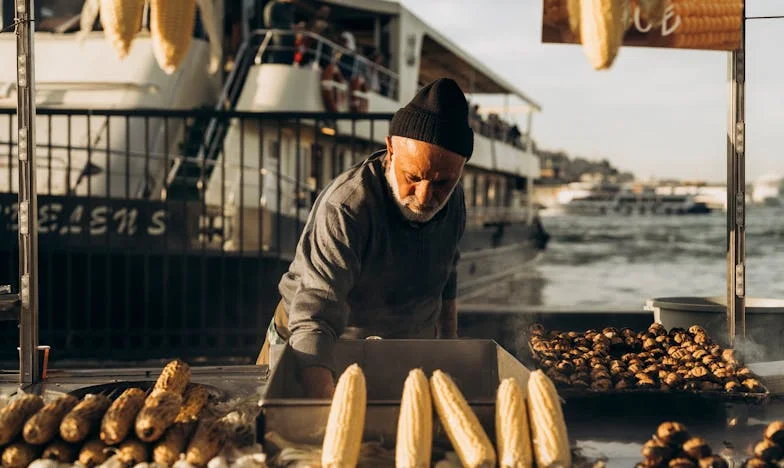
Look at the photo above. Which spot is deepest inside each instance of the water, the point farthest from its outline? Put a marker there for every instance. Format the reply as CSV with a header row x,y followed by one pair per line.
x,y
619,262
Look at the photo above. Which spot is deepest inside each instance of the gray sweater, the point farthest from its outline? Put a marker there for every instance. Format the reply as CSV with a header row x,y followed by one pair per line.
x,y
362,269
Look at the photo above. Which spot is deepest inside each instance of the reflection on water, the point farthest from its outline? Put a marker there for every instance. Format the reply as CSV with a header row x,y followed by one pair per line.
x,y
618,262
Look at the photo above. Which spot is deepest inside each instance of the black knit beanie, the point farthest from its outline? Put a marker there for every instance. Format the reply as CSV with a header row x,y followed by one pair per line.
x,y
438,114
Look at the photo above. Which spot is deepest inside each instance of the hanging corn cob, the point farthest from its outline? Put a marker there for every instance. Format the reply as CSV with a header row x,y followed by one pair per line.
x,y
602,26
121,20
511,427
415,425
171,26
346,423
550,439
706,25
462,426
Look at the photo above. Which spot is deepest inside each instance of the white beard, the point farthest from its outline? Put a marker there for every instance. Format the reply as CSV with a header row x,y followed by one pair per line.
x,y
409,206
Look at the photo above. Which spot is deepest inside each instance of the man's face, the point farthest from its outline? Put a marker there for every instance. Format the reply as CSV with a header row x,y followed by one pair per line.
x,y
422,176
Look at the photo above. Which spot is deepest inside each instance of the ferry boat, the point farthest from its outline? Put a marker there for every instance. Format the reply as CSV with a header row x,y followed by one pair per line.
x,y
169,205
617,201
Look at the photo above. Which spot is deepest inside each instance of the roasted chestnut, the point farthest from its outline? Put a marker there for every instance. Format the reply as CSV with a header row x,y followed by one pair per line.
x,y
669,361
672,433
656,451
698,372
649,343
713,461
733,386
775,432
753,385
578,361
572,334
675,330
565,367
768,450
622,384
697,448
701,339
645,383
755,462
681,463
680,338
672,379
743,372
715,351
696,329
609,332
699,354
657,329
600,375
601,384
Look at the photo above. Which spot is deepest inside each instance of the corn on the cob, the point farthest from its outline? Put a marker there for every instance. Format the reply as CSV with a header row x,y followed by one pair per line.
x,y
573,6
468,438
512,435
205,443
707,25
132,452
172,444
171,26
120,416
121,20
176,375
157,415
602,26
194,400
84,418
93,453
14,415
346,422
414,444
42,426
19,455
550,439
60,451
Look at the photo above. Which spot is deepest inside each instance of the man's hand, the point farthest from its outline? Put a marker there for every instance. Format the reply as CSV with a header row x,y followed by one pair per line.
x,y
447,322
318,382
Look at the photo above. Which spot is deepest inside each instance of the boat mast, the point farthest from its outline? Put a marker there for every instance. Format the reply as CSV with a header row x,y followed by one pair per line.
x,y
736,191
28,203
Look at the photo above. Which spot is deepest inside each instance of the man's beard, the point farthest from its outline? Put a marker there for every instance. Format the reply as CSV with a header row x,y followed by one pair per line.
x,y
410,207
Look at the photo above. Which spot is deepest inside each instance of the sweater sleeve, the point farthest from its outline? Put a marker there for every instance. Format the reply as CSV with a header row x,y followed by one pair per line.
x,y
329,252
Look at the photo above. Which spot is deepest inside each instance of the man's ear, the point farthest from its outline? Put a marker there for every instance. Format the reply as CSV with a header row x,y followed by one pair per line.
x,y
389,146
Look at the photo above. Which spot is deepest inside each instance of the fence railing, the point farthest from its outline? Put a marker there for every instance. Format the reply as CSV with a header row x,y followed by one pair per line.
x,y
135,264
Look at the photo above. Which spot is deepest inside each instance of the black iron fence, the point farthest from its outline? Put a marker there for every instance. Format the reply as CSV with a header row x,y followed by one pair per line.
x,y
165,233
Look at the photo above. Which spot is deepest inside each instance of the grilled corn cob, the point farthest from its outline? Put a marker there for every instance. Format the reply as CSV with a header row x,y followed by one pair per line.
x,y
172,444
60,451
550,439
14,415
19,455
121,20
205,444
194,400
171,26
93,453
157,415
414,443
176,375
83,418
346,422
42,427
461,424
601,30
132,452
120,416
706,25
511,427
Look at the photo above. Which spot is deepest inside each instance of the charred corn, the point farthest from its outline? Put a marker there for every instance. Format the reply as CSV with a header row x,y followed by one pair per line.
x,y
84,418
42,426
346,422
60,451
512,435
414,443
93,453
121,20
120,416
171,26
14,415
157,415
550,439
19,455
468,438
205,444
167,450
176,375
195,398
132,452
601,30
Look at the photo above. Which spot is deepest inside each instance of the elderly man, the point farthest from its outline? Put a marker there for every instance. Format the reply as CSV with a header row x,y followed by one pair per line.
x,y
378,254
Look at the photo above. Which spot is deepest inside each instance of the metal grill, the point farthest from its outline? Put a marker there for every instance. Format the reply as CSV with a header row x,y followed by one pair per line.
x,y
164,233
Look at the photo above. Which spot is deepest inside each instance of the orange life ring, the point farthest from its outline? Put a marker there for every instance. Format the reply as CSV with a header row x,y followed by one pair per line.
x,y
359,103
332,96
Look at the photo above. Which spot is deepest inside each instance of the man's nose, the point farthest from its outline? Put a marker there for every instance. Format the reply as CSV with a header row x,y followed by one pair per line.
x,y
424,192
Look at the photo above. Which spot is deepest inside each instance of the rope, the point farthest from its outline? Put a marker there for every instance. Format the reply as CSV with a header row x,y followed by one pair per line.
x,y
16,23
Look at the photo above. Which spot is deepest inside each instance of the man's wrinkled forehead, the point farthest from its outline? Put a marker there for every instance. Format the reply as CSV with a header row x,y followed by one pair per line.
x,y
427,158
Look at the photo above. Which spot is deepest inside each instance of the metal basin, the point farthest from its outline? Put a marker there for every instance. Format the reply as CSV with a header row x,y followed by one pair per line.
x,y
764,322
477,366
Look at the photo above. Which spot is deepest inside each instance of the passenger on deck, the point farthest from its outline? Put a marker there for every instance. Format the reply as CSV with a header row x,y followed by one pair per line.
x,y
378,254
348,60
279,14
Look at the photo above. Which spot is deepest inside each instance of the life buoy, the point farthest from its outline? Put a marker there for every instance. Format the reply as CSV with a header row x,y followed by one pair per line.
x,y
332,96
359,103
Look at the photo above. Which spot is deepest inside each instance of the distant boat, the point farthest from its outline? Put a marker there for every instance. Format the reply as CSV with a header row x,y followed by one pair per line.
x,y
628,204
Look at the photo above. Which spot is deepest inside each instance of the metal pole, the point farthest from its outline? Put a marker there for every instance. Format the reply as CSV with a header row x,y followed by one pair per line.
x,y
28,204
736,192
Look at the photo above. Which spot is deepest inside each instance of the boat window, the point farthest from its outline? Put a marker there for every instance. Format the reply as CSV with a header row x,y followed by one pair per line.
x,y
480,190
468,188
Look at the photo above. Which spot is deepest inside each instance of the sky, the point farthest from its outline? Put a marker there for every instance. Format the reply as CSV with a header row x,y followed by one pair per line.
x,y
660,113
